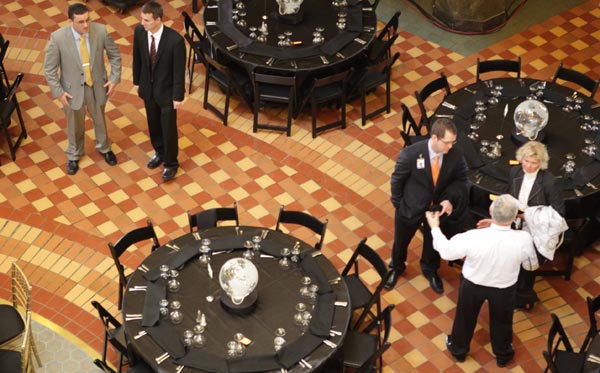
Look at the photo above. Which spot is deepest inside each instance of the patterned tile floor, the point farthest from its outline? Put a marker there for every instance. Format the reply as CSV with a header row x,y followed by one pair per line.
x,y
57,226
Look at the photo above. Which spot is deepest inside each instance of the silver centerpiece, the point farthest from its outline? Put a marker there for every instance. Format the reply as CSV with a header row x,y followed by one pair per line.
x,y
289,6
238,278
531,116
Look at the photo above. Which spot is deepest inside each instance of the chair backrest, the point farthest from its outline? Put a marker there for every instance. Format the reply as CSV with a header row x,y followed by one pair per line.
x,y
556,337
112,329
378,52
408,122
129,239
391,27
21,289
209,218
498,65
261,81
385,318
593,306
3,48
576,77
304,219
10,100
190,27
198,53
439,84
370,256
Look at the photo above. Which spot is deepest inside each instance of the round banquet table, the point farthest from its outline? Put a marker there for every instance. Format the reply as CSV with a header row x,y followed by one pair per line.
x,y
340,50
562,135
278,294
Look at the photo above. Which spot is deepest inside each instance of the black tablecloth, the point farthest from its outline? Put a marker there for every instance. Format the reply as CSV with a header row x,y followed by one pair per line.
x,y
562,135
278,293
234,43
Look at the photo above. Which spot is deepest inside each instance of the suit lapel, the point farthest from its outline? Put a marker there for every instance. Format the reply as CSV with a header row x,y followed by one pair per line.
x,y
162,44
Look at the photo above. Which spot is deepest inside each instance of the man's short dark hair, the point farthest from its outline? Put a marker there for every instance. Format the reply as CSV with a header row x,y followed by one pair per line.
x,y
441,125
76,9
154,8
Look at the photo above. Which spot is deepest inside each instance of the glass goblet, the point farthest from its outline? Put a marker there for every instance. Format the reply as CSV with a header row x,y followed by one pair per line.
x,y
188,336
284,262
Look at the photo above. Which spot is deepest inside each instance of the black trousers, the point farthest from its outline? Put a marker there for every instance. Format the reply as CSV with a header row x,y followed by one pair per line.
x,y
501,305
162,126
403,234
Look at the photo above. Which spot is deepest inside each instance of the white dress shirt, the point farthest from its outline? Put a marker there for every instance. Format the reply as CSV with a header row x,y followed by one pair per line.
x,y
493,255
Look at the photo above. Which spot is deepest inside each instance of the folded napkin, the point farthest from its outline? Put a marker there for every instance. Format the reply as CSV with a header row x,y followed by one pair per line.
x,y
262,363
174,260
290,354
154,293
312,270
515,91
200,359
555,97
271,247
470,151
228,243
320,324
168,339
585,174
496,171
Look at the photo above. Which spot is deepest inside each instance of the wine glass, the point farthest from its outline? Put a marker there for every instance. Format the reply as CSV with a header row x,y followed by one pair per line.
x,y
252,32
164,307
284,262
188,336
176,316
279,341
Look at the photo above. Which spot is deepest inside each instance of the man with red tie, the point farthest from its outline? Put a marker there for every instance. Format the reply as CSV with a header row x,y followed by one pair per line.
x,y
159,77
429,174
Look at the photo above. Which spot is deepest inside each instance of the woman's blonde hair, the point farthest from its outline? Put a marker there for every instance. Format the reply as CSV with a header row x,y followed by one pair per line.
x,y
536,150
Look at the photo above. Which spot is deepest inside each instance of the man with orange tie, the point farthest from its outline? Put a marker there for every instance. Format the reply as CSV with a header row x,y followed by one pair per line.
x,y
429,175
75,71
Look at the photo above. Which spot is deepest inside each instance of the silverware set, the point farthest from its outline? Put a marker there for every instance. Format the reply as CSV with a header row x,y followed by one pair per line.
x,y
133,316
325,60
360,41
264,233
334,281
340,303
304,364
329,343
162,358
448,105
197,236
140,334
138,288
339,55
334,333
179,368
173,247
143,268
593,359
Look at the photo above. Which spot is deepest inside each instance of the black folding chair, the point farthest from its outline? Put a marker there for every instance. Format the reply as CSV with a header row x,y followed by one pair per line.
x,y
561,360
8,106
304,219
361,298
274,89
437,85
196,40
123,244
325,90
498,65
209,218
576,77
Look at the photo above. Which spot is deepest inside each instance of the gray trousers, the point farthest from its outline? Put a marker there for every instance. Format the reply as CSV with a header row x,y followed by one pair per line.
x,y
76,126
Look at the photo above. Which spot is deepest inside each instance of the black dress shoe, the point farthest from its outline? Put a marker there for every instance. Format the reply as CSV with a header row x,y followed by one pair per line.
x,y
169,173
436,284
72,167
110,158
458,357
391,282
155,162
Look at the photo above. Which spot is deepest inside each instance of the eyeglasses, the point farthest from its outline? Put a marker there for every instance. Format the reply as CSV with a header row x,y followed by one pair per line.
x,y
449,142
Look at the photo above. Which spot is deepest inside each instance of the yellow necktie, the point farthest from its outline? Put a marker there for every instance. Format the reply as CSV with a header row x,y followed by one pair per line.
x,y
85,59
435,168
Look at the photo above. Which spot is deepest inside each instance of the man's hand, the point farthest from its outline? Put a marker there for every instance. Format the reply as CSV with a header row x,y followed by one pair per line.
x,y
64,99
484,223
433,218
446,207
109,87
177,104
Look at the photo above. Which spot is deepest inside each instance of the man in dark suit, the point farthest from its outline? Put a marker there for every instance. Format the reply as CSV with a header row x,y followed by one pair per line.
x,y
417,187
159,77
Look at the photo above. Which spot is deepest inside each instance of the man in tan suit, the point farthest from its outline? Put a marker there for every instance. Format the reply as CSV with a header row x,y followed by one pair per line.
x,y
77,51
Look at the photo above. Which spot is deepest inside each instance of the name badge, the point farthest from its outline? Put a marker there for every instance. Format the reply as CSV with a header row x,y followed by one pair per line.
x,y
420,162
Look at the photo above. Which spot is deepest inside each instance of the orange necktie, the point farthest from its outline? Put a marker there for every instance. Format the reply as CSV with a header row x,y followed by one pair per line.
x,y
435,168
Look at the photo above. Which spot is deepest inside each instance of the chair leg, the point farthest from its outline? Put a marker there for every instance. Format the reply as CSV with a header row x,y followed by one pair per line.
x,y
313,113
344,112
226,109
120,301
363,106
255,118
206,86
387,95
289,117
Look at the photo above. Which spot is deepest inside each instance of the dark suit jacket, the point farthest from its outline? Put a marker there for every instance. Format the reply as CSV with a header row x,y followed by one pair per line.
x,y
169,73
412,188
543,192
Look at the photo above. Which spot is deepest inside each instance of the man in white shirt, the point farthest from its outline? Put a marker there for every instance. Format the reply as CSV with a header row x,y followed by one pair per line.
x,y
493,257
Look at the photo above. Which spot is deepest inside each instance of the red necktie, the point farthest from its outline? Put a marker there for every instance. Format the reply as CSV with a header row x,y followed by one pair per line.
x,y
152,52
435,168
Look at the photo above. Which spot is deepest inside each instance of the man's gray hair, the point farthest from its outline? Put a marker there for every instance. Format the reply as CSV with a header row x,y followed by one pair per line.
x,y
504,209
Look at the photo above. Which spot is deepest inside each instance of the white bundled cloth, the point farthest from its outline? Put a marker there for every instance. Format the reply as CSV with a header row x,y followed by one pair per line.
x,y
546,227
